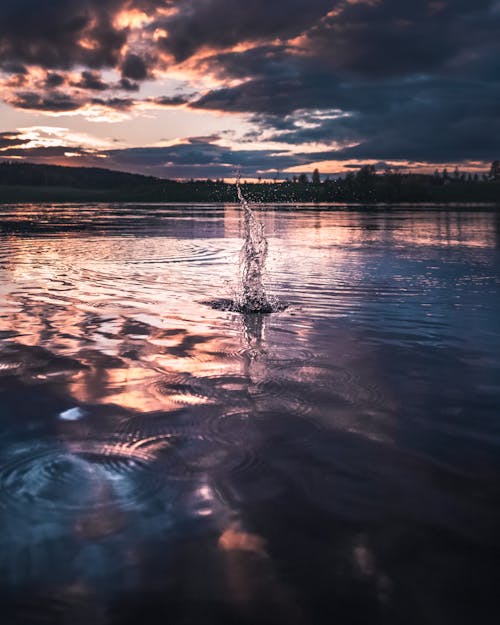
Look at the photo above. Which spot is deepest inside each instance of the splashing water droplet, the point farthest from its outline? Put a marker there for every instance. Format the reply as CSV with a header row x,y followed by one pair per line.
x,y
252,297
73,414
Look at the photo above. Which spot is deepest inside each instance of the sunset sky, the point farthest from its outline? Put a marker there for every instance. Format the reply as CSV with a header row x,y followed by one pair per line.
x,y
197,88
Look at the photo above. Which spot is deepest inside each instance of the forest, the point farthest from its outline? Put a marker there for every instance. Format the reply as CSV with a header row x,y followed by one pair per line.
x,y
29,182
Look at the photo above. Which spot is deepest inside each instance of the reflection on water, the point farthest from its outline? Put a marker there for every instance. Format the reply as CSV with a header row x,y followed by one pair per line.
x,y
163,461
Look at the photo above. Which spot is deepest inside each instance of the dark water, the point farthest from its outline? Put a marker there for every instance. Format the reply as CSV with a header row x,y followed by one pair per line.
x,y
165,462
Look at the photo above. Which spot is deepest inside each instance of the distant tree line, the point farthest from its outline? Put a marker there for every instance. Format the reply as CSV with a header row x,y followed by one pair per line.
x,y
30,174
20,181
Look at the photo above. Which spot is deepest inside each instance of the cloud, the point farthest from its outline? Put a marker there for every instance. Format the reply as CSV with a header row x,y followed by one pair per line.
x,y
9,67
91,81
61,33
41,154
10,139
169,101
54,101
409,88
394,38
53,80
127,85
134,67
198,157
217,24
362,79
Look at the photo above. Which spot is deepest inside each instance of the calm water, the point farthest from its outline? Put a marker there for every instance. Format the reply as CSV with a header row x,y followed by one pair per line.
x,y
165,462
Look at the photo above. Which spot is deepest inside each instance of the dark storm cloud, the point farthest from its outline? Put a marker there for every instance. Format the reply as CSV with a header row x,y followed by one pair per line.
x,y
60,33
13,68
424,119
128,85
391,37
439,119
417,81
201,151
53,80
11,139
91,81
378,79
58,102
134,67
223,23
196,158
176,100
371,36
41,153
117,104
200,157
55,102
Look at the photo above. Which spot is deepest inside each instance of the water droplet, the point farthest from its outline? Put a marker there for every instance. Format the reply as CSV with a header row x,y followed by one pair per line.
x,y
73,414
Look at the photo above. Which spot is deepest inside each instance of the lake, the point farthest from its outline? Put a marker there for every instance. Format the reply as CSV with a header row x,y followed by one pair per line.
x,y
162,461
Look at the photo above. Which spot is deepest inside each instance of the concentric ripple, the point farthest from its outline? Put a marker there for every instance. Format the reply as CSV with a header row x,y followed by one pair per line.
x,y
192,456
80,477
243,429
333,384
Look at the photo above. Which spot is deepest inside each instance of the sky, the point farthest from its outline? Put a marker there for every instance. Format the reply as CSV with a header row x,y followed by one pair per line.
x,y
272,88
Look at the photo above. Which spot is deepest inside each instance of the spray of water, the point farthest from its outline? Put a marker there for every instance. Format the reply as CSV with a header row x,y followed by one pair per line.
x,y
252,296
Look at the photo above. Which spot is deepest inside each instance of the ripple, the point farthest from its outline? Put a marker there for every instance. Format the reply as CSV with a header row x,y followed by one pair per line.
x,y
189,253
9,366
277,394
192,456
149,426
191,390
243,428
323,382
86,477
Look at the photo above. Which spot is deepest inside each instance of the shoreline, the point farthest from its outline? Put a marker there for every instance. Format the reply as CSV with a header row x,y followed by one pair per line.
x,y
428,205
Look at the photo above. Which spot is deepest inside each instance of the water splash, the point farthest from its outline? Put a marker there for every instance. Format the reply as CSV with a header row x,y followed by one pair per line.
x,y
252,297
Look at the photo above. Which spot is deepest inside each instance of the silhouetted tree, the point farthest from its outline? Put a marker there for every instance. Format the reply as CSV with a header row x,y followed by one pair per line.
x,y
21,181
365,182
495,170
316,179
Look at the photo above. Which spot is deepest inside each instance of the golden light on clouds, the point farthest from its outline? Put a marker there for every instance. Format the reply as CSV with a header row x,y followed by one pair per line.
x,y
132,18
88,43
54,136
159,33
276,83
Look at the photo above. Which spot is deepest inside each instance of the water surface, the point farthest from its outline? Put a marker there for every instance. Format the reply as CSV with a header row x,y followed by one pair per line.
x,y
162,461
